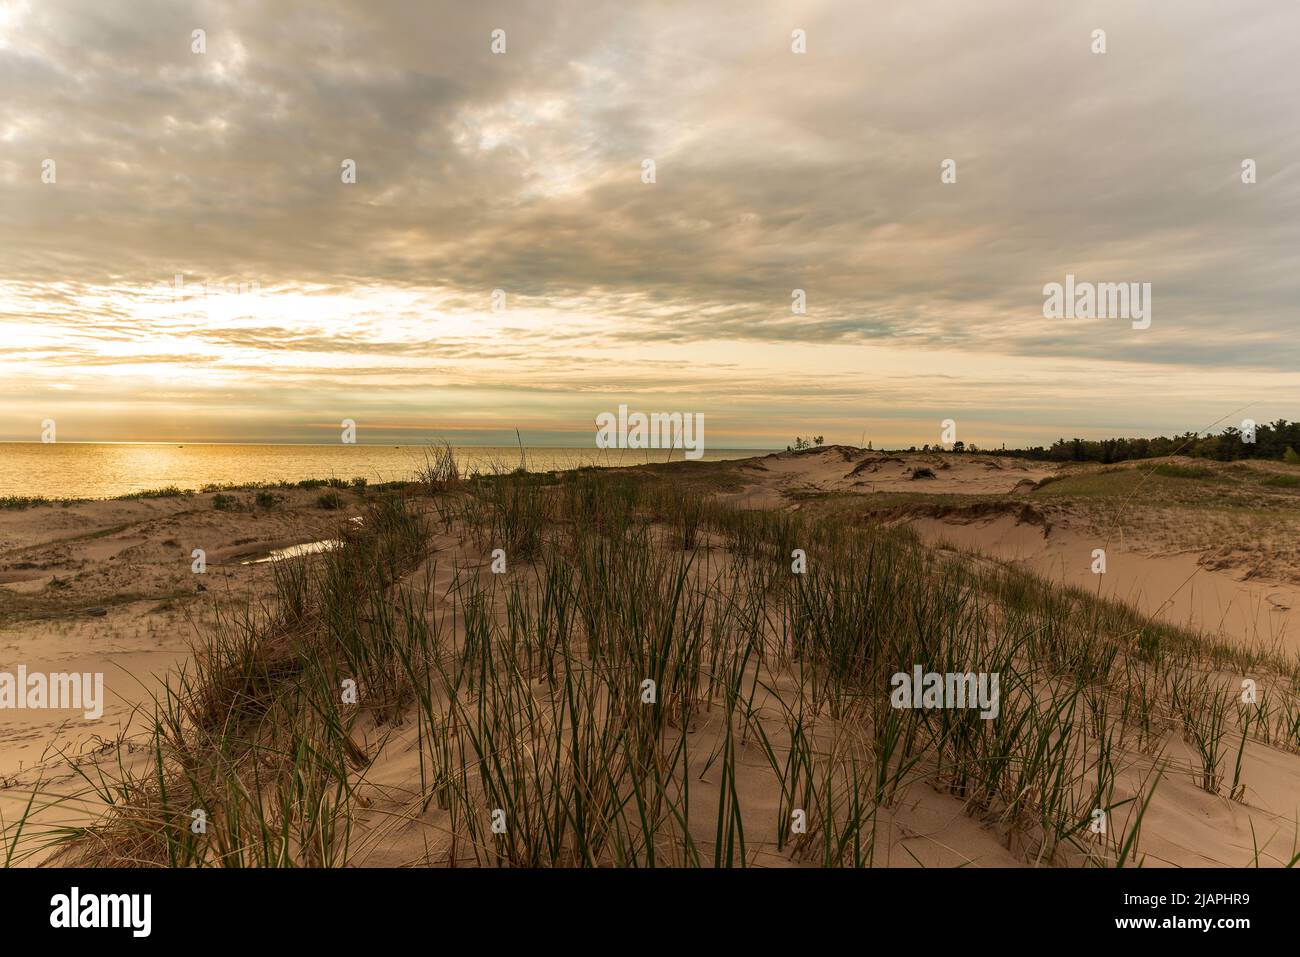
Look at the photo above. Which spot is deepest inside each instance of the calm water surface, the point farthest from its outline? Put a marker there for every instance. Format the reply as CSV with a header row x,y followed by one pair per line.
x,y
82,470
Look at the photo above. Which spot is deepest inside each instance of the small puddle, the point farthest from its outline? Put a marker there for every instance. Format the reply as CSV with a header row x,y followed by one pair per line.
x,y
295,551
307,548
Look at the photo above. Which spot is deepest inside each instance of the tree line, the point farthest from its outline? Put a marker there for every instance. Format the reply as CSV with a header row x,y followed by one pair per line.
x,y
1278,440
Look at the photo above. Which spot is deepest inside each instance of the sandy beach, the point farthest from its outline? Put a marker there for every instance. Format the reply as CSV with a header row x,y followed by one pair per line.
x,y
110,586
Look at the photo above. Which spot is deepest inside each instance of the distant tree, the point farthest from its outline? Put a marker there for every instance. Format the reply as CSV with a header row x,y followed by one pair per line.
x,y
819,440
1271,442
959,446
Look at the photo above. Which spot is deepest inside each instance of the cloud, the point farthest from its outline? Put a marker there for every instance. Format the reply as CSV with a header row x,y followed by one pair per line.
x,y
521,172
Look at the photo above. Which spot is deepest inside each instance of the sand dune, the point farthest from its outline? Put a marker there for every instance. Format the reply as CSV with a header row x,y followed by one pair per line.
x,y
108,586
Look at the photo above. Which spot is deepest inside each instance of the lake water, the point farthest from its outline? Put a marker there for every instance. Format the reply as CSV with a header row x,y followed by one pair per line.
x,y
86,470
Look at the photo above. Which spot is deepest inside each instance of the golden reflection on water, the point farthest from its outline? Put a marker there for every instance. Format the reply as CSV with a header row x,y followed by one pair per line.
x,y
86,470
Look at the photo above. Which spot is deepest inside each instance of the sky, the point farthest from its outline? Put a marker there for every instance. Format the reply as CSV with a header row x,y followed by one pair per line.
x,y
307,300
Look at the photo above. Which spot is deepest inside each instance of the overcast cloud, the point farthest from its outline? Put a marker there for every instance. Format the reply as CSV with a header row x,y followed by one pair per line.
x,y
522,172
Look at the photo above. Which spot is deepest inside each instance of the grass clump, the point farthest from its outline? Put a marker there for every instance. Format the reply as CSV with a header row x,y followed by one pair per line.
x,y
440,470
23,502
168,491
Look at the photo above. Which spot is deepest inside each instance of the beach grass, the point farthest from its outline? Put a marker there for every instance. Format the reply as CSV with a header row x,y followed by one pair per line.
x,y
648,680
